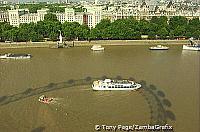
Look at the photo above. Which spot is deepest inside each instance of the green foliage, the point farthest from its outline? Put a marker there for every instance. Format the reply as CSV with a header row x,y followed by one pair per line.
x,y
119,29
179,31
103,29
143,27
50,17
151,35
4,8
54,9
177,21
163,33
196,34
83,32
32,7
193,28
79,9
70,30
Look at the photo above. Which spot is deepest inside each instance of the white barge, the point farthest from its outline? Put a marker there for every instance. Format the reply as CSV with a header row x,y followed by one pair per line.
x,y
109,84
192,46
15,56
159,47
97,48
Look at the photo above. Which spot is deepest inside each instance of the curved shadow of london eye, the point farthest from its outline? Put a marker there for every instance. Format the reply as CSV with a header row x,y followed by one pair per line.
x,y
158,105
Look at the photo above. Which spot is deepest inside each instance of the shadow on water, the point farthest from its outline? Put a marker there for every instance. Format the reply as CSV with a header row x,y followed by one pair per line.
x,y
39,129
152,87
170,115
155,98
161,94
2,98
167,103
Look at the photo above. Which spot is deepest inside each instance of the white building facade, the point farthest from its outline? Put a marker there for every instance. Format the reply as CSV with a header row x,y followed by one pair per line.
x,y
95,13
4,17
19,16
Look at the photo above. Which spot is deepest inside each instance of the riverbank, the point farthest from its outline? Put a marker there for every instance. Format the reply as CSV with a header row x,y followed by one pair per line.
x,y
50,44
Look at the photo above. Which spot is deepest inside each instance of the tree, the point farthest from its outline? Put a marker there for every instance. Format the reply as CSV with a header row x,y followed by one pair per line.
x,y
32,7
3,28
70,30
53,36
163,33
196,34
94,34
188,34
51,28
103,29
177,21
171,34
144,27
193,27
82,32
34,36
151,35
179,31
55,8
50,17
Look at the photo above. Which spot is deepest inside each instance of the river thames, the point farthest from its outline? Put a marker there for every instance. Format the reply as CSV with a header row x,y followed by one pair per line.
x,y
169,94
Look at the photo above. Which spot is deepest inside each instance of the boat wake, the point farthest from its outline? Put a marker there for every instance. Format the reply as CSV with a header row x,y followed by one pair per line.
x,y
58,101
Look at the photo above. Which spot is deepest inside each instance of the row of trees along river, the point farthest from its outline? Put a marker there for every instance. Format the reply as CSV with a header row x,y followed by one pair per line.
x,y
156,28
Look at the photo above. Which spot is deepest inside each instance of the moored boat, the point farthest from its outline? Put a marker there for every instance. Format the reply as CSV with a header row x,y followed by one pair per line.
x,y
159,47
192,46
97,48
15,56
109,84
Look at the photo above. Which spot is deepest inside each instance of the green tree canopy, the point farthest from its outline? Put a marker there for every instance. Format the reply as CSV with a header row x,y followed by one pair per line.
x,y
50,17
70,30
163,33
178,21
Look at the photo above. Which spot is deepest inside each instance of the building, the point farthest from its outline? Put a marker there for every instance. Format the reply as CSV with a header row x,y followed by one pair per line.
x,y
95,13
18,16
41,13
14,16
3,2
4,17
145,11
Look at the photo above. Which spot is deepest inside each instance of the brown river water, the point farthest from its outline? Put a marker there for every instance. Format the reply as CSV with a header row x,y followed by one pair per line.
x,y
169,93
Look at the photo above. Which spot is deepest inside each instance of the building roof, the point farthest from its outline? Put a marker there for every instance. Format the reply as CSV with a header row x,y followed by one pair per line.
x,y
143,4
170,4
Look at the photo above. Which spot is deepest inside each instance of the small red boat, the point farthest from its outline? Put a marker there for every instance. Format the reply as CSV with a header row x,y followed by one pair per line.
x,y
44,99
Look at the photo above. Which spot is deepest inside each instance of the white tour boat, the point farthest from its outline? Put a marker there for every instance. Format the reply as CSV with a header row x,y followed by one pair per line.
x,y
159,47
97,48
192,46
109,84
15,56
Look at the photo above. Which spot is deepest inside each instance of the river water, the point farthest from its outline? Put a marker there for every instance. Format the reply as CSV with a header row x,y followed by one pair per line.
x,y
169,93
